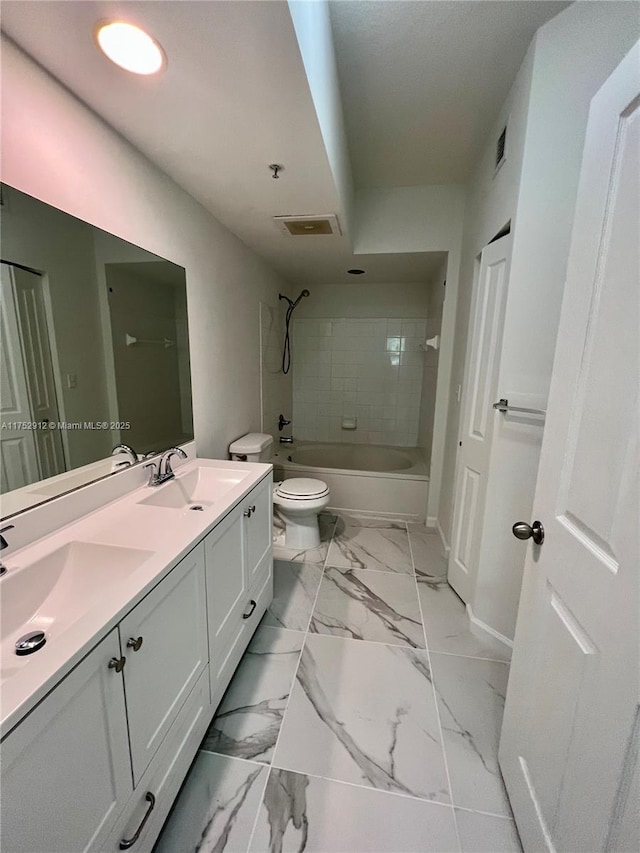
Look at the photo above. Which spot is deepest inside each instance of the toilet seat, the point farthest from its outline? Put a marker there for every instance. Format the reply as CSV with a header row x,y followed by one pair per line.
x,y
302,489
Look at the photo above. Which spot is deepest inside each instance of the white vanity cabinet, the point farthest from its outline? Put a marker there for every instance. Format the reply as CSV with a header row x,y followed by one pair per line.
x,y
96,765
66,771
239,578
164,641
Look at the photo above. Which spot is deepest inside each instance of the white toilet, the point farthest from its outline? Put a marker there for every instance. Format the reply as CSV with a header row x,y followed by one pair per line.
x,y
297,501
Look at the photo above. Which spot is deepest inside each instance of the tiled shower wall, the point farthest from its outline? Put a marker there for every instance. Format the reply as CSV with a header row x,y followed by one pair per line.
x,y
367,369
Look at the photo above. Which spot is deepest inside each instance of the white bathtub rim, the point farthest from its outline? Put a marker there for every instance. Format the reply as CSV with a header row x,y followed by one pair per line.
x,y
294,467
279,458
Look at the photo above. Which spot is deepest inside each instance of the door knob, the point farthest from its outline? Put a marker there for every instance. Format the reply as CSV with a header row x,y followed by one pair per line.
x,y
134,643
535,531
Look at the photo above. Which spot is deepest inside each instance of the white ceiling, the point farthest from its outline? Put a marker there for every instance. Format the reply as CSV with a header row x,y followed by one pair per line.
x,y
421,81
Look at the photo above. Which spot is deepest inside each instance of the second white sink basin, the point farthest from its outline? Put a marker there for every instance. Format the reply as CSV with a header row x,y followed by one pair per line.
x,y
53,592
199,487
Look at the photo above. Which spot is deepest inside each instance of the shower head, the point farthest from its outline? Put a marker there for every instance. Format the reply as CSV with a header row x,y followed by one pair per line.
x,y
293,304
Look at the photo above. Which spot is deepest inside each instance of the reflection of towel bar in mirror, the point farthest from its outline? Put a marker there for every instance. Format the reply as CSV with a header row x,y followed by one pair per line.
x,y
503,406
131,340
432,343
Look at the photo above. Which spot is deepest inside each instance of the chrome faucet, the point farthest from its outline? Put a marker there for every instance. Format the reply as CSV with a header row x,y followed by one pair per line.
x,y
286,439
164,471
4,544
125,448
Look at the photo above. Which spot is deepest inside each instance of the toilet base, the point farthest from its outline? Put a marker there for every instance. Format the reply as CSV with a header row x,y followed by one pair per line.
x,y
302,531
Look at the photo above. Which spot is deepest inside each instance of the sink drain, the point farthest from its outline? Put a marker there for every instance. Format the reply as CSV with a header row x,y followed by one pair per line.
x,y
197,508
30,643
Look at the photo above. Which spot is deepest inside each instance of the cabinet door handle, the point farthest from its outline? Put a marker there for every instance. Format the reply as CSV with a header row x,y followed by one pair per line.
x,y
117,663
126,843
253,509
252,608
248,512
134,644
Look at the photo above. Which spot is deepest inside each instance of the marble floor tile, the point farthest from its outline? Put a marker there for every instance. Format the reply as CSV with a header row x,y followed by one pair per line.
x,y
364,713
216,809
327,523
303,813
448,627
380,606
295,586
369,543
429,560
248,719
471,696
481,833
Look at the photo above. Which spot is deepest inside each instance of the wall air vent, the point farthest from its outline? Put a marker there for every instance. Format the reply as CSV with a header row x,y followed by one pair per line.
x,y
309,225
501,148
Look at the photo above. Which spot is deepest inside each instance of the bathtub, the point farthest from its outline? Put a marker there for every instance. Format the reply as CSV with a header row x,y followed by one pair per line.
x,y
365,478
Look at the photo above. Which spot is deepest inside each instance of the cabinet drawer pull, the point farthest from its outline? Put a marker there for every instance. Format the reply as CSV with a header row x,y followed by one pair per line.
x,y
117,664
134,644
253,607
126,843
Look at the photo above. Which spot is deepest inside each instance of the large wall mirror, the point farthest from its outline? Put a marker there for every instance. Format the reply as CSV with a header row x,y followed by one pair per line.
x,y
95,352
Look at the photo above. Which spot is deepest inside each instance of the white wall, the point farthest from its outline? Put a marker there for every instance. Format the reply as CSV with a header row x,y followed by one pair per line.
x,y
365,301
408,219
57,150
568,61
430,359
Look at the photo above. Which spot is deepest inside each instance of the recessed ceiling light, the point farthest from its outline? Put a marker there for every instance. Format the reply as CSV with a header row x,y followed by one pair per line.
x,y
356,272
130,47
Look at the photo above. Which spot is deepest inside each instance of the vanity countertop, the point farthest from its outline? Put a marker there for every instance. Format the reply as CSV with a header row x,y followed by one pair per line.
x,y
137,524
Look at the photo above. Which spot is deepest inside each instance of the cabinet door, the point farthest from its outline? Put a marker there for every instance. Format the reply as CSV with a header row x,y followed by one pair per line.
x,y
169,627
258,526
66,773
226,587
140,822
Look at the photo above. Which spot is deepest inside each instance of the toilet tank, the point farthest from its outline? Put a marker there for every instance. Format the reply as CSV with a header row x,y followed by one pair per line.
x,y
253,447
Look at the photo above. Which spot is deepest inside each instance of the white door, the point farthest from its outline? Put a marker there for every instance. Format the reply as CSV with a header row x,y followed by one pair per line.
x,y
36,347
19,461
569,747
475,439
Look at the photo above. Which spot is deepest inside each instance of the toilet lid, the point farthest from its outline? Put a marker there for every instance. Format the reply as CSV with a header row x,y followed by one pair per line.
x,y
302,487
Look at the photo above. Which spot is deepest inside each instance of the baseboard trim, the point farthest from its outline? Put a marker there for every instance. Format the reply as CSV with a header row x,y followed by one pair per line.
x,y
482,626
443,538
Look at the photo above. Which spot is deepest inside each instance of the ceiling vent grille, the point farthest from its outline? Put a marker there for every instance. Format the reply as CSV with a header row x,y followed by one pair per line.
x,y
309,225
501,148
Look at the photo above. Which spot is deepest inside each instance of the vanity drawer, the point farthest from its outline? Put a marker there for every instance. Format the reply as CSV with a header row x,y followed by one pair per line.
x,y
164,776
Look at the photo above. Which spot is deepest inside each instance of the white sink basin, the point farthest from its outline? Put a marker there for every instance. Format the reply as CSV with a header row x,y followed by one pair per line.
x,y
199,487
52,593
